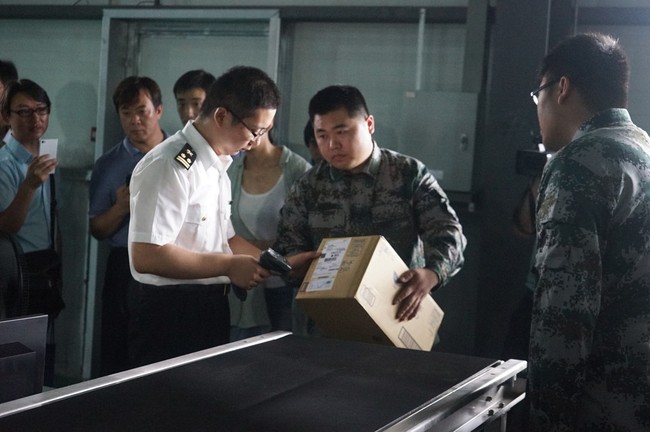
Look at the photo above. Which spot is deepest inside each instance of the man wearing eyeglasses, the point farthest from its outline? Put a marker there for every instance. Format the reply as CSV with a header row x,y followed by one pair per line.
x,y
181,238
589,362
24,174
27,201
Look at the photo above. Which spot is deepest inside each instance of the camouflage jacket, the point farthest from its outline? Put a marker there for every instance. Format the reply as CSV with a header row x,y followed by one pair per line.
x,y
395,196
589,363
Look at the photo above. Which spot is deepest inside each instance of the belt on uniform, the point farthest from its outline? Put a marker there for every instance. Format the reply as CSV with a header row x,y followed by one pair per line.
x,y
222,288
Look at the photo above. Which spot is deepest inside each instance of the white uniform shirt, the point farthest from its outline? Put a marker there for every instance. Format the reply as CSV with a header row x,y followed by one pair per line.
x,y
188,207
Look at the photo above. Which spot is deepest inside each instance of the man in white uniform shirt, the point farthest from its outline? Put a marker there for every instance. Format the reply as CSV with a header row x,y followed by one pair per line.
x,y
181,237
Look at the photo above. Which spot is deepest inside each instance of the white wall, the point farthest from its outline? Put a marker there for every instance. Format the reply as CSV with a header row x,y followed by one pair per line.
x,y
379,59
63,57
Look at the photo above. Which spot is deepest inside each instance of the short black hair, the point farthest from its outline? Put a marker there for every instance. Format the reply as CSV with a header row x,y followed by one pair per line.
x,y
8,72
335,97
197,78
596,64
129,88
30,88
242,89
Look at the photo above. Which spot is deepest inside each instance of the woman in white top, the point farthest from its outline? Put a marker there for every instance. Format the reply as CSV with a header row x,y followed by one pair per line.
x,y
260,181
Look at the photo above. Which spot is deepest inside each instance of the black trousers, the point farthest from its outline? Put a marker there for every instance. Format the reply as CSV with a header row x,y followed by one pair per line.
x,y
173,320
118,282
44,283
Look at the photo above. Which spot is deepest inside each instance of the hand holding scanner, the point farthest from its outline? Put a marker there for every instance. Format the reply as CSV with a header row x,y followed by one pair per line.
x,y
274,262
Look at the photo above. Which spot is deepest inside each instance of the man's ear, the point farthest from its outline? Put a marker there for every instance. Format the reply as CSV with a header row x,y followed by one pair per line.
x,y
370,122
565,87
219,116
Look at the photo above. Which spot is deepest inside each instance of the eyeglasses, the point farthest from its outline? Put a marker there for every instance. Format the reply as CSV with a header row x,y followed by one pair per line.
x,y
257,134
28,112
535,92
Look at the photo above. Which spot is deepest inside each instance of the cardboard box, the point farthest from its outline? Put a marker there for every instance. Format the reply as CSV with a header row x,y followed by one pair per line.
x,y
349,291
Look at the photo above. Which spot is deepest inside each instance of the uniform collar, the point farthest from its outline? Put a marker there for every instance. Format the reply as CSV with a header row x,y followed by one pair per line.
x,y
204,152
604,118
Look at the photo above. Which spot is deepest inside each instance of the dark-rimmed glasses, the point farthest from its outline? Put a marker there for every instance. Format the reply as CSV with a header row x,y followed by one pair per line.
x,y
28,112
535,92
257,134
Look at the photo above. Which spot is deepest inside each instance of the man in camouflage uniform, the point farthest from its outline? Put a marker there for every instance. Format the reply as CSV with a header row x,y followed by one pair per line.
x,y
361,189
589,363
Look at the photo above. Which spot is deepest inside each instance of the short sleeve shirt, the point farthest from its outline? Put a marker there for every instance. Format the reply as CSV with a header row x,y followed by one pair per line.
x,y
35,232
180,204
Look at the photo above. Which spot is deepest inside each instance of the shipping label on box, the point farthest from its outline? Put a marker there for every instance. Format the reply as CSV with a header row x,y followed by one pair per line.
x,y
349,292
328,265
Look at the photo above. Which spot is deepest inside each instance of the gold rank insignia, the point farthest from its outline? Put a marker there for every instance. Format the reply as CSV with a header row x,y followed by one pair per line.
x,y
186,156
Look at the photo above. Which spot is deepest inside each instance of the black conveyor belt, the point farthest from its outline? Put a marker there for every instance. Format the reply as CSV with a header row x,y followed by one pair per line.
x,y
288,384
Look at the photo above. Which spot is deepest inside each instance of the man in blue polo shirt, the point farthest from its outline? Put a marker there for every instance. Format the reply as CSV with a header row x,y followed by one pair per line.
x,y
26,205
138,103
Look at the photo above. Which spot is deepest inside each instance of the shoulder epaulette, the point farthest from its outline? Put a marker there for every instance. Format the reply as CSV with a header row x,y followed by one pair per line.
x,y
186,156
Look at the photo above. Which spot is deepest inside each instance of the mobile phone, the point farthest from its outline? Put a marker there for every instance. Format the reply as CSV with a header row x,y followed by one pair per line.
x,y
49,146
273,261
